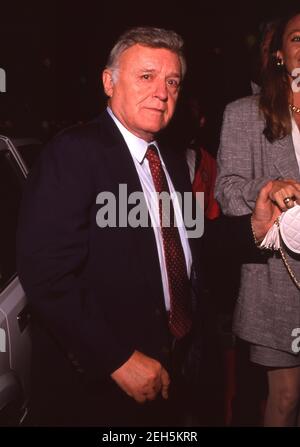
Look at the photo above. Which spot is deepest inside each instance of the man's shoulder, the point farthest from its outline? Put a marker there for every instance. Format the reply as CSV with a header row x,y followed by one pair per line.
x,y
81,143
89,131
82,139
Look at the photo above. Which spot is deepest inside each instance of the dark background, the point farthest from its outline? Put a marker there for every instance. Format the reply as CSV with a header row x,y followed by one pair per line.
x,y
53,54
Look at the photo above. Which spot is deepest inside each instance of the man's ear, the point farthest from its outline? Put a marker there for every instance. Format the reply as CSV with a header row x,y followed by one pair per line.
x,y
107,82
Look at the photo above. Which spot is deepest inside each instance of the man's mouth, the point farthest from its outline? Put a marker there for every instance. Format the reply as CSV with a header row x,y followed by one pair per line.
x,y
154,109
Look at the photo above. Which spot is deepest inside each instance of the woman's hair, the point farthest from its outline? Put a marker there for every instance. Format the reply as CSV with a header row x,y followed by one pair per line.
x,y
275,87
149,37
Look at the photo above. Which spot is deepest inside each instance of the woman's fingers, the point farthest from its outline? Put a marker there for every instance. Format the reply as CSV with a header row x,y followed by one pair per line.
x,y
284,193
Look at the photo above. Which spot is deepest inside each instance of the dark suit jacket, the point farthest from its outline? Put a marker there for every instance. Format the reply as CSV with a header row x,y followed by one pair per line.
x,y
96,291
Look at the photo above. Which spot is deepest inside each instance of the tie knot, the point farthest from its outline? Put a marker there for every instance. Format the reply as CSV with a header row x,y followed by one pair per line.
x,y
152,154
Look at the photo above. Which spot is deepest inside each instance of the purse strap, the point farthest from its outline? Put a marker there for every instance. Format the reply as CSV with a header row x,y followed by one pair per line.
x,y
285,261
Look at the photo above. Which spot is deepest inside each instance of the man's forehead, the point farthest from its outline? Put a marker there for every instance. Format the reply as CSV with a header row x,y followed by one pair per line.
x,y
150,57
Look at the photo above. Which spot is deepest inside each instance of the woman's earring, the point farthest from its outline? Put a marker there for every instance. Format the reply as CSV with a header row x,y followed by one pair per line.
x,y
279,62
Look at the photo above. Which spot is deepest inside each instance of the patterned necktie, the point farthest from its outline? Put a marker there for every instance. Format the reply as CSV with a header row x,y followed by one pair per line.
x,y
180,310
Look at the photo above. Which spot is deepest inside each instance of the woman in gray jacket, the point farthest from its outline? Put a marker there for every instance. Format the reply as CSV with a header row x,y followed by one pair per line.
x,y
260,141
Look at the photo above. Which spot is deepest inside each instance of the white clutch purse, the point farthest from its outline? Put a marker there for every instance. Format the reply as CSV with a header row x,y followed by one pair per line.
x,y
289,226
286,229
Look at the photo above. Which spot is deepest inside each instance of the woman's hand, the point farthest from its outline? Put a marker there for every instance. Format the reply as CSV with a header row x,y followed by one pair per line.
x,y
265,212
284,192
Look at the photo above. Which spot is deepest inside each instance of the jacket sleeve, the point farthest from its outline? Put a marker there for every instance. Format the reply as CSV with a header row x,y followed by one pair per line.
x,y
52,254
237,185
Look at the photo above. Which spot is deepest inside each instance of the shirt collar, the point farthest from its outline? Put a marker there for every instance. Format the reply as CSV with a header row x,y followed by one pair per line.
x,y
137,146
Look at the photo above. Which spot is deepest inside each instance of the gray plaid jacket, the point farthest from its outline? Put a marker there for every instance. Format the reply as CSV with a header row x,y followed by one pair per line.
x,y
268,305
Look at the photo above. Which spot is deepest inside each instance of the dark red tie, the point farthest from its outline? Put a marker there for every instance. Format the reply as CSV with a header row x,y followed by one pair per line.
x,y
180,310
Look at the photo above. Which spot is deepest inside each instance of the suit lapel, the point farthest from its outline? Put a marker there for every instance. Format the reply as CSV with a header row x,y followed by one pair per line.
x,y
284,158
118,157
123,171
177,168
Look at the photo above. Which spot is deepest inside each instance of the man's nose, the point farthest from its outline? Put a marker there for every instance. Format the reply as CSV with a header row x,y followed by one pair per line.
x,y
161,90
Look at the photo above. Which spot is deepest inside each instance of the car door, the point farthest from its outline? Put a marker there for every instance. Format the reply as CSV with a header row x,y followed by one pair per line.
x,y
15,346
28,149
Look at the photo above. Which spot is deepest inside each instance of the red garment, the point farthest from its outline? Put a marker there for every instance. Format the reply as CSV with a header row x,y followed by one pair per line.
x,y
204,181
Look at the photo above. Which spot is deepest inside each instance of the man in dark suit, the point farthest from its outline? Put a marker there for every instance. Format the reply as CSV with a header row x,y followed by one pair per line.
x,y
101,295
110,341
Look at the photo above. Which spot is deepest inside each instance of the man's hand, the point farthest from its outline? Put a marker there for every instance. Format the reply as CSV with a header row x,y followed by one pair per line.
x,y
142,378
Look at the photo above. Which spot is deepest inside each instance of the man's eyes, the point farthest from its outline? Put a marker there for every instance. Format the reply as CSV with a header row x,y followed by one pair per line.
x,y
173,82
296,38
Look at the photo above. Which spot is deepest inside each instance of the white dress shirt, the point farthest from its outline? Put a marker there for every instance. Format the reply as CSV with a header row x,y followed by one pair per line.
x,y
137,148
296,140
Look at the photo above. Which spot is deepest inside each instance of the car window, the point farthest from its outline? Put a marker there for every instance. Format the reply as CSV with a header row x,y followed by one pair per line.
x,y
29,153
10,197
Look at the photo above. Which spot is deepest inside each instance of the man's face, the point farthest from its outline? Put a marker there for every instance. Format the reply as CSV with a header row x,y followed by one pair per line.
x,y
144,95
